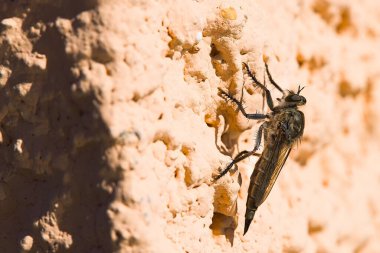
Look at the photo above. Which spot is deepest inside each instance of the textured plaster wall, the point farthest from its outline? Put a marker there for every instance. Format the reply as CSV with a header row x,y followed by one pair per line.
x,y
111,126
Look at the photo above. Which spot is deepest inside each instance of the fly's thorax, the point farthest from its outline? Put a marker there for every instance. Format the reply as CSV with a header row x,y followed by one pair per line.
x,y
289,122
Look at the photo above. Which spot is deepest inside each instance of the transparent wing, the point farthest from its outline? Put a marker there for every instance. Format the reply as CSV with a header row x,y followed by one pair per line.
x,y
282,156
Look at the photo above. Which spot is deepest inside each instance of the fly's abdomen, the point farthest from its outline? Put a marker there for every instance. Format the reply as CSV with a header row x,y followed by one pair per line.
x,y
258,183
256,190
264,175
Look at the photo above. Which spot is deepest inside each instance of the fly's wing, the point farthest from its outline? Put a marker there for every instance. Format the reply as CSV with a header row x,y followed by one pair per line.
x,y
283,154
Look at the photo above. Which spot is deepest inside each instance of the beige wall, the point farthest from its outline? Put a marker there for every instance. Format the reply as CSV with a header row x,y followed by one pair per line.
x,y
111,126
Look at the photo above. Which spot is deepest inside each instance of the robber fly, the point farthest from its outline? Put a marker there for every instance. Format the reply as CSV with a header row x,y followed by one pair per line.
x,y
283,127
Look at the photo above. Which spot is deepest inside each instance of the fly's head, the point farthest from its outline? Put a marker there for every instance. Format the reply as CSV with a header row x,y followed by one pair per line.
x,y
293,99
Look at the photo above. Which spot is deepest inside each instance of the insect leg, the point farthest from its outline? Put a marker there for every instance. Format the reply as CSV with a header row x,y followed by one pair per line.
x,y
244,154
262,86
271,79
241,156
259,136
236,159
263,94
241,108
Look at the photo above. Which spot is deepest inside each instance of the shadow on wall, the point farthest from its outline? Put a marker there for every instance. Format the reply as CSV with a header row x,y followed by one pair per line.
x,y
52,144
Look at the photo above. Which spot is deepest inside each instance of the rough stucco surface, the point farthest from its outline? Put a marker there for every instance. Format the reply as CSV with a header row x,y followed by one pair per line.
x,y
111,127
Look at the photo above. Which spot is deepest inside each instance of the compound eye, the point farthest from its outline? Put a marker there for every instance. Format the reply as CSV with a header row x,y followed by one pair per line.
x,y
293,98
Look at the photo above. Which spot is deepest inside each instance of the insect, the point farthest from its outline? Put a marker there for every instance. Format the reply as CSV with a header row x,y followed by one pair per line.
x,y
283,127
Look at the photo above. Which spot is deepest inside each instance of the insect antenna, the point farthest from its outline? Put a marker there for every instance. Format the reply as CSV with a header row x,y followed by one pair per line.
x,y
300,89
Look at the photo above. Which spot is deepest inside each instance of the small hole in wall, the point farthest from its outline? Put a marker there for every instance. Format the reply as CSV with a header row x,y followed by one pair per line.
x,y
176,173
346,89
243,51
188,177
345,23
220,64
135,97
224,225
214,52
225,219
300,59
314,228
304,155
108,72
323,9
132,241
160,116
313,63
187,150
211,120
